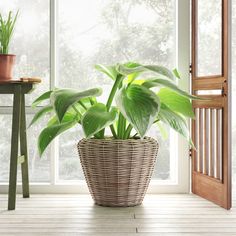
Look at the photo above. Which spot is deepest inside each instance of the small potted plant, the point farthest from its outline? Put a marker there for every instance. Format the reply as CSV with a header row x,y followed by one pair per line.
x,y
7,61
118,167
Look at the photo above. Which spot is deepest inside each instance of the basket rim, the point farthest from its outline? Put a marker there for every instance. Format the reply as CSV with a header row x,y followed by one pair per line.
x,y
109,139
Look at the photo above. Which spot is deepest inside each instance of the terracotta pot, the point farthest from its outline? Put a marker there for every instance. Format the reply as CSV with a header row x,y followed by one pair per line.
x,y
118,172
7,62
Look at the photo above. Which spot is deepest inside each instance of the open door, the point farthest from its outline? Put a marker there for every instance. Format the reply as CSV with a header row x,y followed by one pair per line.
x,y
211,130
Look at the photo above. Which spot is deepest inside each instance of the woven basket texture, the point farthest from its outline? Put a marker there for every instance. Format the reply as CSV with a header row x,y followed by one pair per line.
x,y
118,172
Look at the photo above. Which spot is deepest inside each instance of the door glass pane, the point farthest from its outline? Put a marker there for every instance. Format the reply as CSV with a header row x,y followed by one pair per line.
x,y
209,38
30,43
107,32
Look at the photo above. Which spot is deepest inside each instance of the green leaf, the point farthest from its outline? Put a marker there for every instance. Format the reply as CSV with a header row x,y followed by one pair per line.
x,y
70,115
63,99
97,118
50,132
130,64
52,121
162,129
176,73
40,114
139,106
75,110
108,70
131,77
175,121
156,82
176,102
41,98
161,70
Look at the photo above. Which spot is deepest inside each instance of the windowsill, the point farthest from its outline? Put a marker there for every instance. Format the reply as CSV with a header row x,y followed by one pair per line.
x,y
79,187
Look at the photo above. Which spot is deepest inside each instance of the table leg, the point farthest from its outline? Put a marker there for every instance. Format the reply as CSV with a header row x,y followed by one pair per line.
x,y
23,149
14,148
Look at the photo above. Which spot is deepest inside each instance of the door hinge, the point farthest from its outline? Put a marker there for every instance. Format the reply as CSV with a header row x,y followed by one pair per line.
x,y
224,89
190,68
190,152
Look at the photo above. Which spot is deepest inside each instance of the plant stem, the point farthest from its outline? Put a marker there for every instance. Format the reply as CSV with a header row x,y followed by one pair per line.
x,y
81,103
124,126
156,121
109,102
78,113
128,131
113,131
135,135
118,126
76,110
121,126
91,101
113,91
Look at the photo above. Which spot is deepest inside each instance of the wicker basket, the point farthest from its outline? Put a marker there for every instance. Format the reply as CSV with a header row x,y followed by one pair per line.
x,y
118,172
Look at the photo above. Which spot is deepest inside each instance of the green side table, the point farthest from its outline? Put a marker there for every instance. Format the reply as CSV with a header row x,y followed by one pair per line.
x,y
18,88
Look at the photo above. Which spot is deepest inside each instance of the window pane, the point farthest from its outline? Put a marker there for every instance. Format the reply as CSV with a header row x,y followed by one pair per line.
x,y
30,43
107,32
209,58
69,164
39,168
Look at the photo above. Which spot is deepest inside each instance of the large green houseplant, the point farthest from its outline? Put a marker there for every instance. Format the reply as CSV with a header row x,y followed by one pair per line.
x,y
118,167
7,61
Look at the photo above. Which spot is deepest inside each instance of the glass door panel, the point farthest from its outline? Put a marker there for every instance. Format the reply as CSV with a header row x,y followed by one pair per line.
x,y
209,38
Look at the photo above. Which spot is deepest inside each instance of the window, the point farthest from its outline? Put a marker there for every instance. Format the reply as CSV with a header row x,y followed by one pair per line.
x,y
31,45
108,32
84,33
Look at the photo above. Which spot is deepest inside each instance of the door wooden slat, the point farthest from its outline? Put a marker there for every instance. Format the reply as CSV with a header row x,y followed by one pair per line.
x,y
211,144
218,145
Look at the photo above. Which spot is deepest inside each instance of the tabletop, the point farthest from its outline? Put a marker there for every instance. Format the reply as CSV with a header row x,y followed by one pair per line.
x,y
25,85
21,80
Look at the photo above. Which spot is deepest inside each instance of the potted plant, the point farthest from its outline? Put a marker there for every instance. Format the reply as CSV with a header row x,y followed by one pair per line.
x,y
7,61
118,167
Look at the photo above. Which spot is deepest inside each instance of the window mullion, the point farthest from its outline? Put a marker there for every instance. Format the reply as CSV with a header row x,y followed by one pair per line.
x,y
53,78
183,62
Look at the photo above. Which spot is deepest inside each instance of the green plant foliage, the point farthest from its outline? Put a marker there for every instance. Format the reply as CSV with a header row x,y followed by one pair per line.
x,y
176,73
42,98
108,70
64,98
156,82
54,128
50,132
137,106
176,102
162,129
6,31
41,113
128,69
97,118
175,121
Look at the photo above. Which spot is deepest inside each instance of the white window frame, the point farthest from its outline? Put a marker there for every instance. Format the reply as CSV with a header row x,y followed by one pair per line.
x,y
180,162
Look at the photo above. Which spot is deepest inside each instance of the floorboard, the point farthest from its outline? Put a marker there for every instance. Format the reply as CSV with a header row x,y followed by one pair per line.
x,y
165,215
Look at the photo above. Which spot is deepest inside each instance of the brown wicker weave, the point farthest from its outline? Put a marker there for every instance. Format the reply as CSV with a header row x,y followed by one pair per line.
x,y
118,172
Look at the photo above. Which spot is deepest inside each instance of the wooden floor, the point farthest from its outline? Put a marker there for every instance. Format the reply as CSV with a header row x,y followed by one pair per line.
x,y
168,215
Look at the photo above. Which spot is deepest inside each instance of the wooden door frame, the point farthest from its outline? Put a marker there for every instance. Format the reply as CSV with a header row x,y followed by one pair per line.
x,y
213,189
